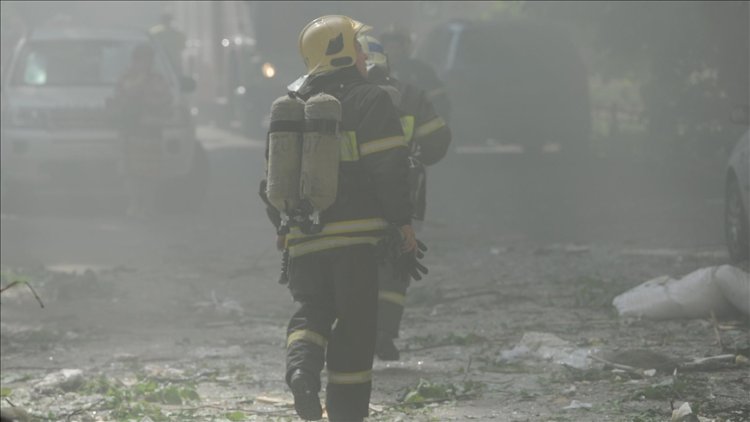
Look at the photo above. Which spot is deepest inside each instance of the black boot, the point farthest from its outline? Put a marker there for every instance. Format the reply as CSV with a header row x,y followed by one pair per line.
x,y
305,388
385,349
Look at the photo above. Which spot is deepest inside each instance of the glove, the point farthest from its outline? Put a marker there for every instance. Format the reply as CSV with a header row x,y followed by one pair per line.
x,y
408,263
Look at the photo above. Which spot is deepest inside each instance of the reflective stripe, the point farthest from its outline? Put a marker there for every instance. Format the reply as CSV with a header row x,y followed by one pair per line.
x,y
306,335
348,150
324,243
429,127
407,125
379,145
340,227
393,297
349,377
434,93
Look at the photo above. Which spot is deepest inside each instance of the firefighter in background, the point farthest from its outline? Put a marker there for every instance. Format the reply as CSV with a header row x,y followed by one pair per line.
x,y
428,138
141,104
333,271
407,69
171,40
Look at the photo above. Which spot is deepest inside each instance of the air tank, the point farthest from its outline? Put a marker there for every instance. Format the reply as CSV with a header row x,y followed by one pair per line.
x,y
320,155
285,155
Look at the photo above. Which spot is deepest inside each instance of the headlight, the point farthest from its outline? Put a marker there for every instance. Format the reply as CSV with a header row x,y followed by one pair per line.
x,y
268,70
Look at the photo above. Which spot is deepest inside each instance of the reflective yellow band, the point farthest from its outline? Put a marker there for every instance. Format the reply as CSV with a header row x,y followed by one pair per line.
x,y
379,145
306,335
393,297
340,227
407,125
434,93
348,150
429,127
324,243
349,377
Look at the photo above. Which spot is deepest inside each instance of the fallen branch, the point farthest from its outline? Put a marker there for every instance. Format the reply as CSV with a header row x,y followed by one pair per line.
x,y
715,324
469,295
627,368
710,362
467,368
436,400
17,282
227,409
79,411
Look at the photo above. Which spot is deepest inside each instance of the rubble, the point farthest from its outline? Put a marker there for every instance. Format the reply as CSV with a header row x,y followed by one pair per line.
x,y
64,380
548,346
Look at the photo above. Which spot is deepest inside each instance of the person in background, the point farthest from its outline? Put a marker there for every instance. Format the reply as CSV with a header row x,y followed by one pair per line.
x,y
428,138
141,105
407,69
170,39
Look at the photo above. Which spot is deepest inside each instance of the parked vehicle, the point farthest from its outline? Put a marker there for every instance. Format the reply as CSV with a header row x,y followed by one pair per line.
x,y
245,54
515,85
57,133
737,202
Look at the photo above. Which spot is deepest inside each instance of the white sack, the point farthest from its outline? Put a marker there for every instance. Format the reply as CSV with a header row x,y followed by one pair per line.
x,y
735,285
693,296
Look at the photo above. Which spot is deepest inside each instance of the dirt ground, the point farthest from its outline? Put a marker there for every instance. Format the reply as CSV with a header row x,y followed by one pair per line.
x,y
181,318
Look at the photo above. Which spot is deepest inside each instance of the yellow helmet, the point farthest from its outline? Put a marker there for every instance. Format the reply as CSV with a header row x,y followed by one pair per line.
x,y
374,50
327,43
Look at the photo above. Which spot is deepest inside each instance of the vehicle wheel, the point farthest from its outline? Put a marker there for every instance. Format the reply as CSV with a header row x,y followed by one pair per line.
x,y
736,223
188,193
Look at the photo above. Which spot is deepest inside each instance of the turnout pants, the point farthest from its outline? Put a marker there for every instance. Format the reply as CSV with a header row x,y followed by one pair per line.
x,y
392,295
337,290
391,299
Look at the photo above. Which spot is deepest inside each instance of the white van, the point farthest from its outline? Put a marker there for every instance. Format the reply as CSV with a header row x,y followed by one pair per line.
x,y
57,133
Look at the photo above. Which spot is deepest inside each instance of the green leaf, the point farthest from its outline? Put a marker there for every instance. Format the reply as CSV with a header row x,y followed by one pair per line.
x,y
190,394
236,416
5,392
171,395
413,397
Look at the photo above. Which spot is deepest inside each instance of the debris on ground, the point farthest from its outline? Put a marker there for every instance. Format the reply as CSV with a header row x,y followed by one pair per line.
x,y
570,249
643,359
428,392
64,380
548,346
575,404
721,291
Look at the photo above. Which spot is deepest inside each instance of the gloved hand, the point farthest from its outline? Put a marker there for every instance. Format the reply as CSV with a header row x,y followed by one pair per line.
x,y
409,262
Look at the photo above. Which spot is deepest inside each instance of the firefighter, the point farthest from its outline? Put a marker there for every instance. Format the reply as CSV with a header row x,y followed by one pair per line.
x,y
171,40
428,138
141,105
410,70
333,269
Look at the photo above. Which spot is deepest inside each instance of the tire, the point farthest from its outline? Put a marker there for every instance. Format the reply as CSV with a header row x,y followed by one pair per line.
x,y
188,193
735,223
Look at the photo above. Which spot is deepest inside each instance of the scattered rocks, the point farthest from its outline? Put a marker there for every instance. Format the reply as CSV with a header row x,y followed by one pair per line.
x,y
64,380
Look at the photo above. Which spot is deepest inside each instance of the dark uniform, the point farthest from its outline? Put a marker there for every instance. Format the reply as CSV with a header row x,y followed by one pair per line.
x,y
428,138
333,274
414,72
